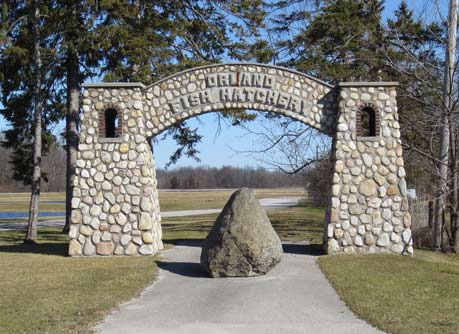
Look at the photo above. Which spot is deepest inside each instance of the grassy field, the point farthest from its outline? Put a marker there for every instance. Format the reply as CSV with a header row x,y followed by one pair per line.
x,y
168,200
43,291
399,294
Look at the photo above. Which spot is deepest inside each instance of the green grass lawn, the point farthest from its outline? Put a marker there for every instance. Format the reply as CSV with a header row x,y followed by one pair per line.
x,y
43,291
399,294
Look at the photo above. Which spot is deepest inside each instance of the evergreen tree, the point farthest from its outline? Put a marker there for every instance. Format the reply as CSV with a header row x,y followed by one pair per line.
x,y
340,40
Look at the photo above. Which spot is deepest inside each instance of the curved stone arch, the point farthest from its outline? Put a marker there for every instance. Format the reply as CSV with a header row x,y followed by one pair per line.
x,y
115,206
239,86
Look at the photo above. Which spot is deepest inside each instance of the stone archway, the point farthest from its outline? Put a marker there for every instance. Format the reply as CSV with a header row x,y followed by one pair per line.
x,y
115,209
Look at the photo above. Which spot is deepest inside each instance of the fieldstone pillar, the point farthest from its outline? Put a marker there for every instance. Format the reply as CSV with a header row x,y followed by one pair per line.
x,y
115,208
368,209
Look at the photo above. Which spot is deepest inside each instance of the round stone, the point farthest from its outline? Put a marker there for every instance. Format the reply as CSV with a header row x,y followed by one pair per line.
x,y
105,248
117,180
339,233
147,238
75,248
145,221
106,236
339,166
131,249
356,171
380,180
365,219
392,190
367,160
395,238
99,177
375,203
369,240
383,240
356,209
125,239
121,219
95,211
406,236
146,250
119,250
358,241
145,204
398,249
368,188
89,248
115,208
124,148
132,190
387,227
342,127
402,187
401,172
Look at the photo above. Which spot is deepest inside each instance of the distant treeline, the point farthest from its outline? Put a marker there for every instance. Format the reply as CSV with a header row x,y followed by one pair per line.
x,y
225,177
53,171
54,164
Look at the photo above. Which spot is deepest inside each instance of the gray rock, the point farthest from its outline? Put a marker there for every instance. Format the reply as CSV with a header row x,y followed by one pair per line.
x,y
383,240
89,248
356,209
146,250
242,241
406,235
368,188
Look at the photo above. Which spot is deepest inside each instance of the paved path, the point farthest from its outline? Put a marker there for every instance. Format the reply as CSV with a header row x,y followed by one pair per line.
x,y
267,203
294,297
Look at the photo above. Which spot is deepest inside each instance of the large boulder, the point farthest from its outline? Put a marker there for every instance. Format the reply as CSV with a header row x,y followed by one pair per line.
x,y
242,241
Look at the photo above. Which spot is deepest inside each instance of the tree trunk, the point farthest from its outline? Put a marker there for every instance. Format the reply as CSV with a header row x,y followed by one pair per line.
x,y
453,200
72,140
31,236
442,187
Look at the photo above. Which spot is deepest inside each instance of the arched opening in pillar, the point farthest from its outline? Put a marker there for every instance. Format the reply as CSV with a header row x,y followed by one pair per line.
x,y
112,123
367,121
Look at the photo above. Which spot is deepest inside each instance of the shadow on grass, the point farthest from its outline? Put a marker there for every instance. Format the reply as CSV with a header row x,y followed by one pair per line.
x,y
51,241
47,248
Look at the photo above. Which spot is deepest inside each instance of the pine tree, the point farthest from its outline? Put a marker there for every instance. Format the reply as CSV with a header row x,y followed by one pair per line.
x,y
339,42
23,68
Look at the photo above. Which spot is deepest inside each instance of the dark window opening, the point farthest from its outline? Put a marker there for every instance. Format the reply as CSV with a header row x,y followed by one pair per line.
x,y
111,123
368,122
